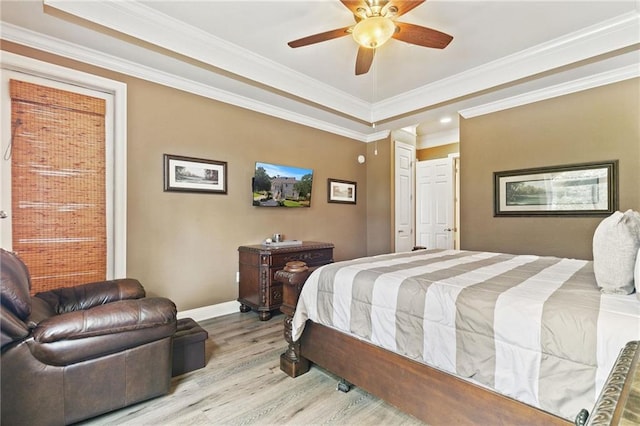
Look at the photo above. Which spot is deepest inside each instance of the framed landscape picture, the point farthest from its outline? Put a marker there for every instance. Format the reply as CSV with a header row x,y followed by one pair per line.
x,y
341,191
588,189
188,174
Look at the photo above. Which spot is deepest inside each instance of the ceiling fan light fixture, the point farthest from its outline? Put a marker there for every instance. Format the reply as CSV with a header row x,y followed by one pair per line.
x,y
373,32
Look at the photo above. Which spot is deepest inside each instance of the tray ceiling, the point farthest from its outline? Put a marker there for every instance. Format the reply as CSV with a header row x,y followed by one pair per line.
x,y
504,53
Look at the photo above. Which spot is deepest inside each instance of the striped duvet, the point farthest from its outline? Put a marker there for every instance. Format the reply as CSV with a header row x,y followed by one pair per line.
x,y
534,328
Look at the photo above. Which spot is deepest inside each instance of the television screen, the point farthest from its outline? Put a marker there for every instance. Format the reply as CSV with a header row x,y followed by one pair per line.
x,y
276,185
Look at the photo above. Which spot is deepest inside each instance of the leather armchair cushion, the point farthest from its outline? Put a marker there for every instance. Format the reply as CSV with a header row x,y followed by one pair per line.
x,y
86,296
40,311
116,317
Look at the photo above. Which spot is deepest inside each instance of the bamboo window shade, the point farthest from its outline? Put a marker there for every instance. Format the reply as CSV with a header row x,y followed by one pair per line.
x,y
58,185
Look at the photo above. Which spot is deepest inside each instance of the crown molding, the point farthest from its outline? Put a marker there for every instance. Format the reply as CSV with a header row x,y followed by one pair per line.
x,y
411,130
608,77
373,137
604,37
142,22
75,52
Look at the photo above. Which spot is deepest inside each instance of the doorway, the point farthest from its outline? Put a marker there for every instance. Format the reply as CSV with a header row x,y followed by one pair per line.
x,y
437,207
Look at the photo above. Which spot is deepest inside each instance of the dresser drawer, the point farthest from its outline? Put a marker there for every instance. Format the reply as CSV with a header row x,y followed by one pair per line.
x,y
310,257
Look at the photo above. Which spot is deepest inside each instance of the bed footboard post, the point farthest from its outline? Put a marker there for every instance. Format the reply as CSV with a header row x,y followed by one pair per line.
x,y
292,277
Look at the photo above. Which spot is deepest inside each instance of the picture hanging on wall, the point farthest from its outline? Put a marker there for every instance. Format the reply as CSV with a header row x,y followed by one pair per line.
x,y
588,189
187,174
341,191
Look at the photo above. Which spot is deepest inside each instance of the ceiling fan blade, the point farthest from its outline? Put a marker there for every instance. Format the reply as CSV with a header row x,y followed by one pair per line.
x,y
422,36
405,6
317,38
364,60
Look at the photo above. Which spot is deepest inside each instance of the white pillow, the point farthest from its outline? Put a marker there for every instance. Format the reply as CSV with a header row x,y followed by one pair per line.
x,y
615,247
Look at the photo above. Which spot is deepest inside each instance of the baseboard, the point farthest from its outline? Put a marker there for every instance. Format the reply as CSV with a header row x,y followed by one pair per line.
x,y
211,311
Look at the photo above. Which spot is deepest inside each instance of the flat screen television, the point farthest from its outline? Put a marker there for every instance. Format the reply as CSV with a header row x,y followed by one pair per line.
x,y
275,185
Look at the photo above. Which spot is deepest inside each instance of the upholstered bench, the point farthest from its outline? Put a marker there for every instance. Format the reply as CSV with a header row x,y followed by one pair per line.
x,y
188,347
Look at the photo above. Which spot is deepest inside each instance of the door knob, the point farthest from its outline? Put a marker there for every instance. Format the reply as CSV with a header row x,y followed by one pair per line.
x,y
448,229
3,214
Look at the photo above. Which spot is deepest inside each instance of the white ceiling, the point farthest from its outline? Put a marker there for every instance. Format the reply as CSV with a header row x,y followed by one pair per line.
x,y
504,53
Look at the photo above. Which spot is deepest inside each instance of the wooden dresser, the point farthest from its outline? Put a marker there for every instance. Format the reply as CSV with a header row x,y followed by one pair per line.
x,y
259,263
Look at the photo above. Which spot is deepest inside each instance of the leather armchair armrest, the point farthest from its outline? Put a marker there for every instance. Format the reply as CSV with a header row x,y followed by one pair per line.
x,y
77,298
11,328
113,318
103,330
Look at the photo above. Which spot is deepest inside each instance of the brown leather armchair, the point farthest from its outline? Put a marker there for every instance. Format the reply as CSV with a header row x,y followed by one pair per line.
x,y
73,353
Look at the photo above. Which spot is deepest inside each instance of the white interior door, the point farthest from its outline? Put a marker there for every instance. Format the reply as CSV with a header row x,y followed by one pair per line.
x,y
404,188
434,204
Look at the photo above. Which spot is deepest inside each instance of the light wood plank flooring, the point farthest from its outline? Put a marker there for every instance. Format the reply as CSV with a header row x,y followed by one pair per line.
x,y
242,385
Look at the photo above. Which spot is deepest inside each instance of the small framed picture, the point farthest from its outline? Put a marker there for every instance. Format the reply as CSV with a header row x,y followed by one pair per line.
x,y
188,174
341,191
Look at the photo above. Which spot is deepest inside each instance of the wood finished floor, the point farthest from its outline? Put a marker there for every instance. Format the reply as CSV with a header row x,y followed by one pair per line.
x,y
242,385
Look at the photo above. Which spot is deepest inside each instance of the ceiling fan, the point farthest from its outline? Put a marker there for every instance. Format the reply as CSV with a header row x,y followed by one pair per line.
x,y
375,24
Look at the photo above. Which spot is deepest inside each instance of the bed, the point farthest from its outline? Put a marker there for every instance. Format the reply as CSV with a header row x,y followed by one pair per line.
x,y
461,337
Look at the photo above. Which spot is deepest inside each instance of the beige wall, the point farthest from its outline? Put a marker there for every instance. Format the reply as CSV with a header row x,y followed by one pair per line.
x,y
184,245
593,125
436,152
195,236
378,197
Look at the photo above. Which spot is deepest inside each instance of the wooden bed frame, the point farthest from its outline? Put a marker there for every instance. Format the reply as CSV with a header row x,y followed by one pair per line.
x,y
427,393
